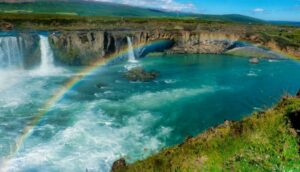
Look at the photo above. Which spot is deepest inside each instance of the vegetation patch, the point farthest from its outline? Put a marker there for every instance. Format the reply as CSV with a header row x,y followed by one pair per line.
x,y
264,141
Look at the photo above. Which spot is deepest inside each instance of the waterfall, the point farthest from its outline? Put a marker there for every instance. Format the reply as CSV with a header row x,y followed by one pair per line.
x,y
11,55
131,56
47,59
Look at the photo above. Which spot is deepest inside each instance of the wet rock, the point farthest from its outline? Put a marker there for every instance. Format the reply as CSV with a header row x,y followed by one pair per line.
x,y
254,60
6,26
139,74
253,51
298,94
118,165
101,85
295,120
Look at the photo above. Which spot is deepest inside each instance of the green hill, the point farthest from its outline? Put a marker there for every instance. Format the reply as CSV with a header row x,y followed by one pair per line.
x,y
81,8
230,18
90,8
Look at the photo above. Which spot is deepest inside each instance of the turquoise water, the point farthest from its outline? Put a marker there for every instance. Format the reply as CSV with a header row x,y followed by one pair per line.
x,y
107,117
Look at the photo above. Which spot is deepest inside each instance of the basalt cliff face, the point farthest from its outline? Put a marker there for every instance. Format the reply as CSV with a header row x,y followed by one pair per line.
x,y
86,46
83,47
274,43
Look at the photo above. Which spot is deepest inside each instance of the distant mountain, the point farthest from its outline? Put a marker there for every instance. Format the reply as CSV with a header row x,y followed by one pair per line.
x,y
81,8
287,23
230,18
92,8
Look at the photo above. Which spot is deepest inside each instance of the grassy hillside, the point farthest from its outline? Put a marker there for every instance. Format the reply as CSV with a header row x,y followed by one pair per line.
x,y
265,141
230,18
83,8
79,8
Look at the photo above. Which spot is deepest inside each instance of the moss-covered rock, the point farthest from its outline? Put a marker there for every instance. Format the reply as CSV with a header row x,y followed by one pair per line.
x,y
139,74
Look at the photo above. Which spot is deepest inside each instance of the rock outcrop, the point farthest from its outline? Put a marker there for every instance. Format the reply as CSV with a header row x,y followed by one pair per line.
x,y
252,51
86,46
6,26
139,74
203,42
83,47
30,49
119,164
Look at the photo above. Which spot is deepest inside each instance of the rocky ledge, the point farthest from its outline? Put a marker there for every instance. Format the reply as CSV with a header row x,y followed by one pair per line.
x,y
84,47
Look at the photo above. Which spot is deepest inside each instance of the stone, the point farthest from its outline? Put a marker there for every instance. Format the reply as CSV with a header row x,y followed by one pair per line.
x,y
298,94
6,26
139,74
119,164
254,60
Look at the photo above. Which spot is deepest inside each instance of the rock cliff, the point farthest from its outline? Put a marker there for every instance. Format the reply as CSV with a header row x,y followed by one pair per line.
x,y
85,46
30,49
82,47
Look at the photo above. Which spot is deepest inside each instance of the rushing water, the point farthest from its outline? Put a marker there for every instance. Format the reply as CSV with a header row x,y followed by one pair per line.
x,y
131,56
47,59
10,52
106,117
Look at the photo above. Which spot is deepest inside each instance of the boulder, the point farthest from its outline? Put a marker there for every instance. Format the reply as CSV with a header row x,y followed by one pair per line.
x,y
139,74
119,164
6,26
254,60
298,94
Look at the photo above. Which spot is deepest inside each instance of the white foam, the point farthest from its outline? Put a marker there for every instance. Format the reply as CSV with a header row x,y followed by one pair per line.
x,y
157,99
170,81
130,66
47,66
92,143
251,73
131,56
273,60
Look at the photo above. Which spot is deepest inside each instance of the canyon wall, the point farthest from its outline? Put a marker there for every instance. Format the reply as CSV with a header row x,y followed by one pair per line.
x,y
83,47
86,46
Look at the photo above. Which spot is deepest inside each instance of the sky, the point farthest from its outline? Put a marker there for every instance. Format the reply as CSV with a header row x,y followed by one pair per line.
x,y
288,10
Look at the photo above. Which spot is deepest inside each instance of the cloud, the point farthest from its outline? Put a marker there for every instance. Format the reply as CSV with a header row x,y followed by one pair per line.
x,y
258,10
170,5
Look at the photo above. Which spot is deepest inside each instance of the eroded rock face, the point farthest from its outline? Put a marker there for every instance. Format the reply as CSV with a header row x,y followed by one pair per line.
x,y
252,51
203,43
274,44
30,49
86,47
83,47
6,26
77,48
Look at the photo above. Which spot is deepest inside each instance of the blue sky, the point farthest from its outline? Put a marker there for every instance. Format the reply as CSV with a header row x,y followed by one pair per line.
x,y
288,10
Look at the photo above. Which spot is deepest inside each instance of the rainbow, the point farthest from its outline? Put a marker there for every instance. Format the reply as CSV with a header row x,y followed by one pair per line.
x,y
61,92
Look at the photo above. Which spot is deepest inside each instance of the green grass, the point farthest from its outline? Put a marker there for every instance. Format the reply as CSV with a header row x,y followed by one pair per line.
x,y
264,141
84,8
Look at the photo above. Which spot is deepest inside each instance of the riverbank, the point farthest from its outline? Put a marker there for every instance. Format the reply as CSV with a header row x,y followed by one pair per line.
x,y
266,140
